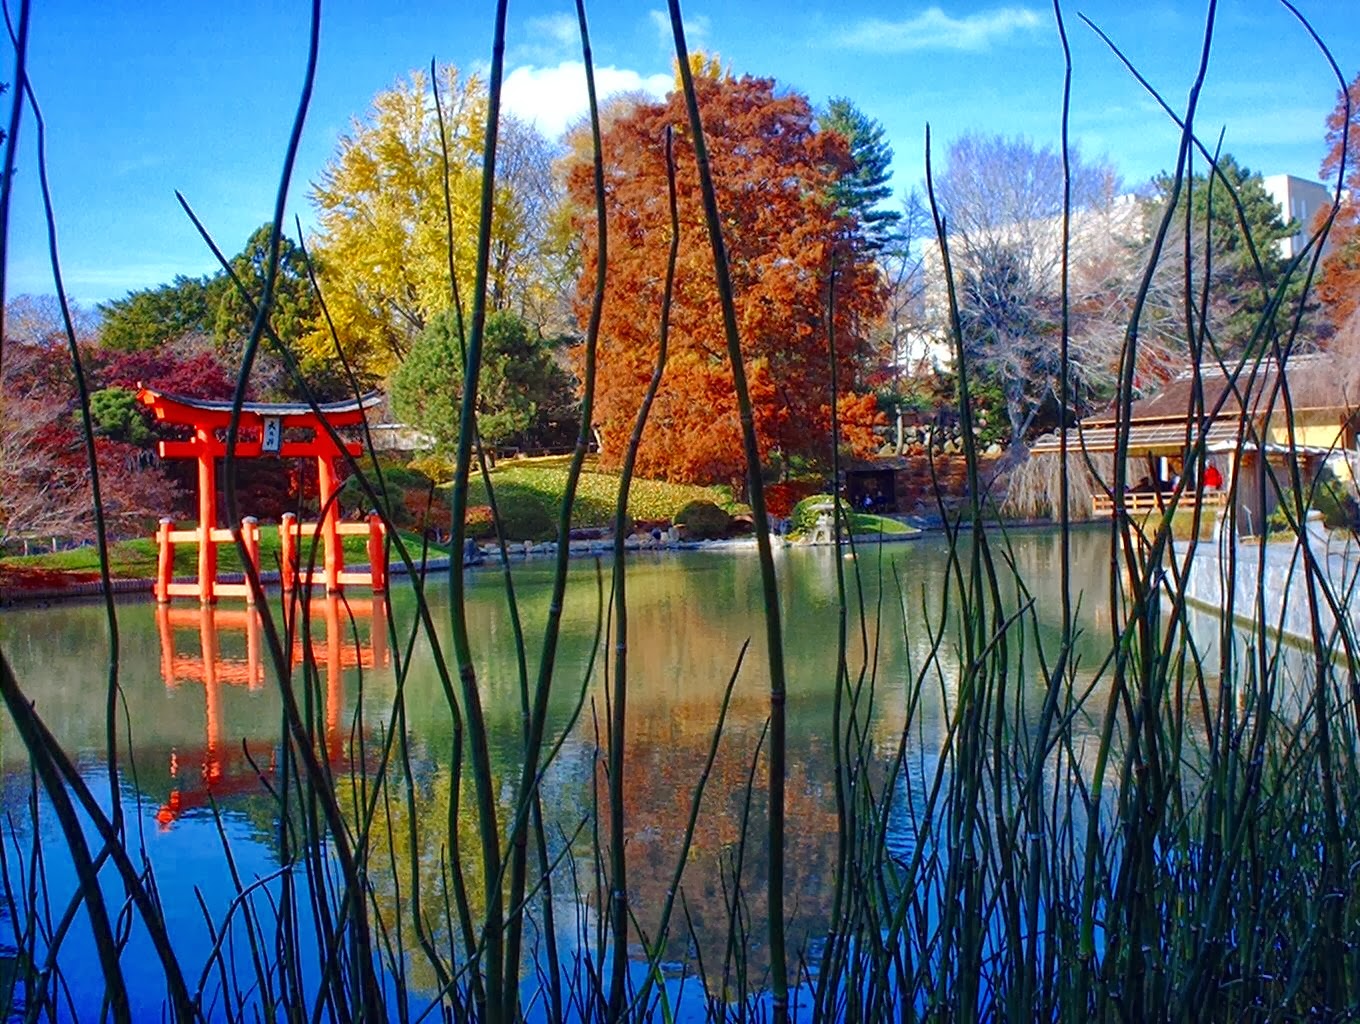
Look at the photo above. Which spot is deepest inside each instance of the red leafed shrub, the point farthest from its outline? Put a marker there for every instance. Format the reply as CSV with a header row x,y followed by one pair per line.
x,y
781,497
198,374
428,512
479,521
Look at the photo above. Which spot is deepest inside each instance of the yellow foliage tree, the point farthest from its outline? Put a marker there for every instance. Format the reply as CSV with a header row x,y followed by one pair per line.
x,y
702,65
384,233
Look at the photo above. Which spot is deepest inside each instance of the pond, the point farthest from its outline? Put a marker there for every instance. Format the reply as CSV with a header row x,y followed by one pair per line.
x,y
199,747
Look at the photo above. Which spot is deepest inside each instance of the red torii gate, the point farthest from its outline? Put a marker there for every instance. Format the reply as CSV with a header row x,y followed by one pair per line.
x,y
264,429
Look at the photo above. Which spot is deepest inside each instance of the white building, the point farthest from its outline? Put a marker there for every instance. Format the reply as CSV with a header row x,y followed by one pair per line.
x,y
1299,200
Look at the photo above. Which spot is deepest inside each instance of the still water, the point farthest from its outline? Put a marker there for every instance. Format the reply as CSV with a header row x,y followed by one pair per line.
x,y
202,720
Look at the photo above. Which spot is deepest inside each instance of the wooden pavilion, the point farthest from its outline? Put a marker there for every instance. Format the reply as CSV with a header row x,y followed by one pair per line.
x,y
287,430
1235,421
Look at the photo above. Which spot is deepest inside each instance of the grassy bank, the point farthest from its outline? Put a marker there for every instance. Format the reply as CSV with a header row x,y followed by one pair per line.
x,y
542,484
528,494
136,558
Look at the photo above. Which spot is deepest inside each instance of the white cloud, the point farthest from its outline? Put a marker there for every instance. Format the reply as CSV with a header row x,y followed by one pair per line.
x,y
933,29
555,29
554,97
547,39
696,29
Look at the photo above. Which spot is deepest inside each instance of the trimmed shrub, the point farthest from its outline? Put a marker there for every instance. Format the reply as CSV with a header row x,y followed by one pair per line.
x,y
703,520
434,466
806,513
428,513
526,520
406,488
406,478
480,524
1331,497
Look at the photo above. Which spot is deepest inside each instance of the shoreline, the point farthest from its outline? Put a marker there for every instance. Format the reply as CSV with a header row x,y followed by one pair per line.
x,y
12,596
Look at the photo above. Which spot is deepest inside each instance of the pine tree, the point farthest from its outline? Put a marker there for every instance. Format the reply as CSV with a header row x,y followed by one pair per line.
x,y
860,191
1242,277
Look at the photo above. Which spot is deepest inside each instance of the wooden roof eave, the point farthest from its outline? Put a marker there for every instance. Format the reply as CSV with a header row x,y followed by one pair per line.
x,y
1142,438
206,413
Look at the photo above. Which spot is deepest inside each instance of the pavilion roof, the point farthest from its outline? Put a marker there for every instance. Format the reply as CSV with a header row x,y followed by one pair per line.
x,y
1157,438
1317,381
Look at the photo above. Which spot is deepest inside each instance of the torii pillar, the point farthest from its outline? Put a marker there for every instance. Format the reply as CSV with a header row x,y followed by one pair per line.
x,y
207,514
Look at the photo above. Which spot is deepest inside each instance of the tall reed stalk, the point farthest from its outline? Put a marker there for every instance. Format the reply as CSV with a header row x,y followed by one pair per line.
x,y
774,637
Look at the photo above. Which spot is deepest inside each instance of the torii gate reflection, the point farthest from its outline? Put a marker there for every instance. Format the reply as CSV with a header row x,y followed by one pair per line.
x,y
224,764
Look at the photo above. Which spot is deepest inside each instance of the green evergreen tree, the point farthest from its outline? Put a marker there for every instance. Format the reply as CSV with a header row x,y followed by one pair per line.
x,y
117,414
152,317
1239,284
861,191
294,310
294,315
518,386
212,308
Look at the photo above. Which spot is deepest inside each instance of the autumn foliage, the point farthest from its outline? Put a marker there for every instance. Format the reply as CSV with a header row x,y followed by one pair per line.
x,y
1339,285
781,497
773,174
44,472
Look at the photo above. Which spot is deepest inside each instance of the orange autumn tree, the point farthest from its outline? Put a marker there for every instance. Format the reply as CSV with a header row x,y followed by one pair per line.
x,y
773,172
1339,285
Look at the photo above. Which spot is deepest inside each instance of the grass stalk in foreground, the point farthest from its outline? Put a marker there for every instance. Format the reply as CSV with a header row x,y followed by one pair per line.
x,y
618,727
774,639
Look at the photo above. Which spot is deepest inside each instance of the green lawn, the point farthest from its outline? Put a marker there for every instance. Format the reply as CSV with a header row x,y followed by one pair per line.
x,y
862,523
137,558
528,492
542,482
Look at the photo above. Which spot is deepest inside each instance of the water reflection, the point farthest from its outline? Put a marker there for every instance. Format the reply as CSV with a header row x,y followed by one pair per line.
x,y
231,762
204,710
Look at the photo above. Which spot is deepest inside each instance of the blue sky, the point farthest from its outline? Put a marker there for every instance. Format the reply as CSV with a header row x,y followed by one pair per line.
x,y
143,98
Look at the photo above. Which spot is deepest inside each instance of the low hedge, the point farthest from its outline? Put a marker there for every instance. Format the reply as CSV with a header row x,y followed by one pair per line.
x,y
1329,496
703,520
405,488
524,520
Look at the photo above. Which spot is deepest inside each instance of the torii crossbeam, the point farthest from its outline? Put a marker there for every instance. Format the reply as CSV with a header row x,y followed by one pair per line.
x,y
288,430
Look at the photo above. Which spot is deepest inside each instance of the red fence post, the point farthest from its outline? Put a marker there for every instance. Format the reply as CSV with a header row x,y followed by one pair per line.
x,y
377,553
165,560
250,536
330,536
288,565
207,519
